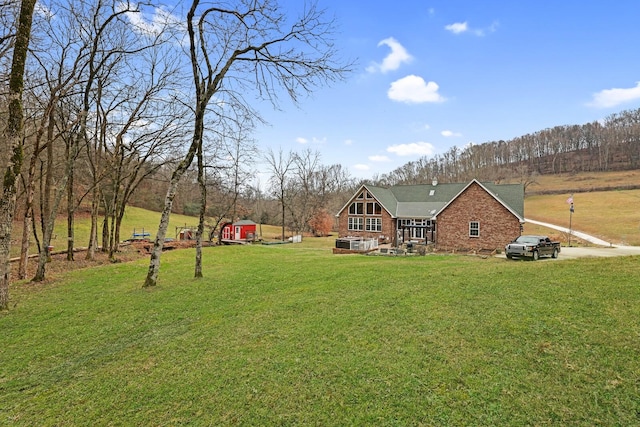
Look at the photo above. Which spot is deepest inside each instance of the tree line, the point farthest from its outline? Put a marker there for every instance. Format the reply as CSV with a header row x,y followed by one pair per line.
x,y
607,145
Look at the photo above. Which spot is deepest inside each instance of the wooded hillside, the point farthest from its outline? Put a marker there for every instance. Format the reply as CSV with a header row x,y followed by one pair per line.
x,y
612,144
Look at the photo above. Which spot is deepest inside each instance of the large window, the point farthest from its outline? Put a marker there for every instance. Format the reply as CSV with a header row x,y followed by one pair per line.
x,y
365,214
474,229
374,224
355,223
373,208
356,208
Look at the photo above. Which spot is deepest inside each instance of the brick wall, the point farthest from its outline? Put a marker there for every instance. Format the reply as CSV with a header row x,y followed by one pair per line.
x,y
388,226
498,226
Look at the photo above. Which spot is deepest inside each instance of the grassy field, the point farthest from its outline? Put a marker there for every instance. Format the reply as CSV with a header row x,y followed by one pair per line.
x,y
135,219
293,335
610,215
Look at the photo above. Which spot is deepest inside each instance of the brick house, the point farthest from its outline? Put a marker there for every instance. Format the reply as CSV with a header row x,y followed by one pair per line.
x,y
472,216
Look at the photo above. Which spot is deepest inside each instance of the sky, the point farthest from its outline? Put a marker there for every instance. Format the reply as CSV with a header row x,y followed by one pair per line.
x,y
431,75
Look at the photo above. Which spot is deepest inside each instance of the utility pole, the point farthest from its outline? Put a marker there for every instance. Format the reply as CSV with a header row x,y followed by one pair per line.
x,y
570,201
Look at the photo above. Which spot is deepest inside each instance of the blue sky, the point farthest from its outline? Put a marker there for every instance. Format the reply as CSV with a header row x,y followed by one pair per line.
x,y
431,75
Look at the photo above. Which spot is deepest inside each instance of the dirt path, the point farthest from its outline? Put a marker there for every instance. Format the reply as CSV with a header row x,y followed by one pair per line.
x,y
583,236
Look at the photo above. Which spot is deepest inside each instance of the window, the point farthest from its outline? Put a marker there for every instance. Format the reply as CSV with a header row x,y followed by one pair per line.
x,y
356,208
355,224
374,224
474,229
374,208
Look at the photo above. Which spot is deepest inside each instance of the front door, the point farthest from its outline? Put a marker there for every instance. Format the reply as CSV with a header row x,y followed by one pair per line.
x,y
238,235
226,233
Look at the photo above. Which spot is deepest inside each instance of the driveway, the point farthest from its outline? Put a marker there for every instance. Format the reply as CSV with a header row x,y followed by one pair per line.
x,y
583,252
605,250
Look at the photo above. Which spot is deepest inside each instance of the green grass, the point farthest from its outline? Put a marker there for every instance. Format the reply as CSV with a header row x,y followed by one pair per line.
x,y
288,335
134,218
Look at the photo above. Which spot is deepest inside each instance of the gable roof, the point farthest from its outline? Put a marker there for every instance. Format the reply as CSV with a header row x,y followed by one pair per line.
x,y
511,196
427,201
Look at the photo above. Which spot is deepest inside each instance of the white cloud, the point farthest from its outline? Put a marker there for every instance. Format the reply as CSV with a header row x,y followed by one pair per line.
x,y
348,141
42,10
396,57
457,28
160,22
414,90
612,97
411,149
463,27
361,167
448,133
379,158
314,140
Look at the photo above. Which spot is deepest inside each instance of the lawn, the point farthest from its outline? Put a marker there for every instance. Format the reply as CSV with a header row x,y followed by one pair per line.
x,y
293,335
135,219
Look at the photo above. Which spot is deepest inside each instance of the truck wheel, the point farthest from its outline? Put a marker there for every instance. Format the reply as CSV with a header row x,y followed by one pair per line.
x,y
555,253
535,256
509,256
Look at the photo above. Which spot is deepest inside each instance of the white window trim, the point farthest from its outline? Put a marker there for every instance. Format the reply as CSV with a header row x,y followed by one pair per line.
x,y
374,204
373,224
471,228
355,221
355,205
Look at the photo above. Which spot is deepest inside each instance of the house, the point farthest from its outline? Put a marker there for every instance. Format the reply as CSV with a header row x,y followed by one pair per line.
x,y
471,216
243,231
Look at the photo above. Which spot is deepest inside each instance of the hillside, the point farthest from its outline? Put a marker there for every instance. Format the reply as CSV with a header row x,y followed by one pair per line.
x,y
584,182
603,206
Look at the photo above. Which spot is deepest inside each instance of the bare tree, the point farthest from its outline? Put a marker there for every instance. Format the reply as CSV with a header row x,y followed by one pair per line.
x,y
13,144
281,166
308,194
248,46
104,40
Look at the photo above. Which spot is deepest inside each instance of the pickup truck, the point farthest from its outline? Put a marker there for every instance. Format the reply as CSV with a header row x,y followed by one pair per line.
x,y
532,247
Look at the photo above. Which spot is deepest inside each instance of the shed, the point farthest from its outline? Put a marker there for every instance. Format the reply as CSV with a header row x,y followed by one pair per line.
x,y
243,231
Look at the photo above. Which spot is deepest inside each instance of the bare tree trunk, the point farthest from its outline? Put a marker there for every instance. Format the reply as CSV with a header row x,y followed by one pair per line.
x,y
28,218
93,234
116,234
49,223
70,214
203,210
105,233
156,252
15,144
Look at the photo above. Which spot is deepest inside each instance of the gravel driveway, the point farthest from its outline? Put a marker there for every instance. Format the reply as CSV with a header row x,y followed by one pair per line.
x,y
584,252
605,249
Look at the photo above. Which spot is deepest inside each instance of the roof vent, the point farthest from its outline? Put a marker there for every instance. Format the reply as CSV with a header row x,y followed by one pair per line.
x,y
434,182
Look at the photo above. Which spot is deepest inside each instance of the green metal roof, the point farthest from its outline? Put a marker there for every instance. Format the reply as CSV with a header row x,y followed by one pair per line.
x,y
425,201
